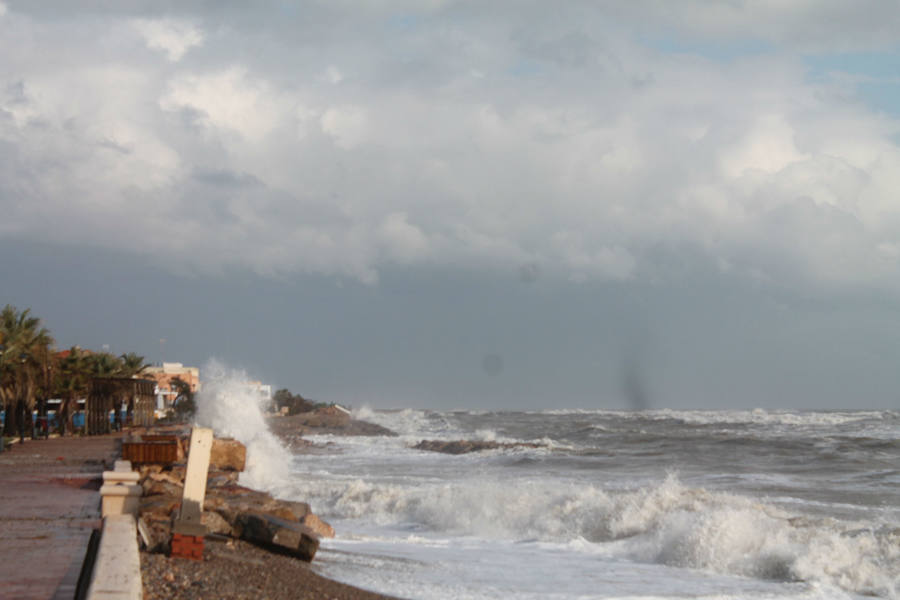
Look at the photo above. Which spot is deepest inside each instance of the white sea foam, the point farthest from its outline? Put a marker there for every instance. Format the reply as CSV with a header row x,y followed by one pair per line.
x,y
696,535
668,524
411,423
758,416
232,408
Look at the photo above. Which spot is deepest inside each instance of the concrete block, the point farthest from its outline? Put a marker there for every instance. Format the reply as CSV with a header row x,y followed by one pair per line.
x,y
121,476
122,465
117,569
120,499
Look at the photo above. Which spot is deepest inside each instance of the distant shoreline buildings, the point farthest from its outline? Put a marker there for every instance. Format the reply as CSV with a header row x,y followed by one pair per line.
x,y
164,375
167,391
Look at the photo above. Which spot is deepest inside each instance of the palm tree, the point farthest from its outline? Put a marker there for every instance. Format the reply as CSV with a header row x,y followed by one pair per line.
x,y
132,364
185,407
25,358
104,364
72,382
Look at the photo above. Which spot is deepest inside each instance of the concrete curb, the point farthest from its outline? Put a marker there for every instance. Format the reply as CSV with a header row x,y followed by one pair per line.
x,y
117,570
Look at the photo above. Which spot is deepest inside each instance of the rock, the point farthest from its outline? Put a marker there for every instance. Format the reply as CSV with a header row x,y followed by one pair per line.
x,y
215,523
335,411
328,416
296,442
160,532
213,502
325,420
178,471
160,505
169,476
221,478
230,501
269,531
227,455
161,488
298,509
282,512
148,469
466,446
322,528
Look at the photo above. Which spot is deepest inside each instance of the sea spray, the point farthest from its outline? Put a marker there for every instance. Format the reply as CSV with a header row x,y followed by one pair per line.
x,y
667,524
759,500
232,408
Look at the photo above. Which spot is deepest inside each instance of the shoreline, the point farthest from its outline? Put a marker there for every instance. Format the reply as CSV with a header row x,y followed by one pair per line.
x,y
50,503
234,569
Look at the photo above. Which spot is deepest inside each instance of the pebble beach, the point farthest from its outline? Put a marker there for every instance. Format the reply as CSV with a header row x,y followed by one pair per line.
x,y
236,570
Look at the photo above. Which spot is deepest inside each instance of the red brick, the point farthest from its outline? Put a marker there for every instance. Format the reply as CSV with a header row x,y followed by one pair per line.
x,y
187,546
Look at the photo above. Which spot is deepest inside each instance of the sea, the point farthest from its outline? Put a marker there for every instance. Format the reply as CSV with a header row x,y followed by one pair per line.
x,y
602,504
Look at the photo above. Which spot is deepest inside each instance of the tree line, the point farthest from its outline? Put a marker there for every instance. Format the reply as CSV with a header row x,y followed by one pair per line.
x,y
32,371
295,403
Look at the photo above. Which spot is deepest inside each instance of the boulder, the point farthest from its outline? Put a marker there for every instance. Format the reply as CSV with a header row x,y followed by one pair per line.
x,y
178,471
215,523
161,488
229,501
285,536
280,511
321,528
221,478
227,455
213,502
160,505
297,509
148,469
169,476
328,416
159,530
466,446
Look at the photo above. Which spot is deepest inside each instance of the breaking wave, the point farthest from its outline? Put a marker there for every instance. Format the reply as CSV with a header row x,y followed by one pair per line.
x,y
668,523
232,408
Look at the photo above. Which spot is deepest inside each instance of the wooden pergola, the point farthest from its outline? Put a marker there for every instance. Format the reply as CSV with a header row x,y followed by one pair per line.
x,y
110,394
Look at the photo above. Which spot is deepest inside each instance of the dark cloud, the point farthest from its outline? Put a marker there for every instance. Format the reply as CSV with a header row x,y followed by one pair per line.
x,y
640,167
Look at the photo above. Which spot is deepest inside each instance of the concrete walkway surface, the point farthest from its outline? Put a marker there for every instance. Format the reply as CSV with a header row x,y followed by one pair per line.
x,y
49,504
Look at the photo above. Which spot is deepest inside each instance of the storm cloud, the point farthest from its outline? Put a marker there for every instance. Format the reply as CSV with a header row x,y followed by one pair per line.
x,y
643,144
587,142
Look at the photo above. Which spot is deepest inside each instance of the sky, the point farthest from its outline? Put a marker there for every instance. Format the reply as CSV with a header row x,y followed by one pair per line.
x,y
457,204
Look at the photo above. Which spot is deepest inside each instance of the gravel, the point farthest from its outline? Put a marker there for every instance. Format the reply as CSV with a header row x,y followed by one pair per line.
x,y
236,570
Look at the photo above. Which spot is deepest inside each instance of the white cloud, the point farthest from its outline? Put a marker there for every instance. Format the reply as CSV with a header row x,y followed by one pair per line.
x,y
595,156
768,146
404,242
347,125
173,38
3,9
333,75
227,99
809,25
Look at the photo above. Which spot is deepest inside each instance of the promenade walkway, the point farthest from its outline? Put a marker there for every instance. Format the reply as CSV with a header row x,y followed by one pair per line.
x,y
49,503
